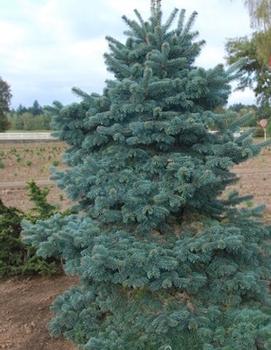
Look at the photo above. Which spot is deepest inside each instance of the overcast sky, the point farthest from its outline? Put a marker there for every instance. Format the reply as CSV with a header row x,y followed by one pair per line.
x,y
49,46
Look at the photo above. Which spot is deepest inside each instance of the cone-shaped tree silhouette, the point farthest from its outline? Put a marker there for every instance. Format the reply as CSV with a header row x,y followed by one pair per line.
x,y
164,261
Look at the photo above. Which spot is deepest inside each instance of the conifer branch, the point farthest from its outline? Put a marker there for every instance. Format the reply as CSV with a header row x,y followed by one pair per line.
x,y
138,15
181,21
190,22
80,93
170,20
155,7
135,27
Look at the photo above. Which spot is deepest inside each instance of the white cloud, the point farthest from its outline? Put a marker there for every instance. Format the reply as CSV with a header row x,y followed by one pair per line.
x,y
210,56
11,34
122,7
49,46
246,97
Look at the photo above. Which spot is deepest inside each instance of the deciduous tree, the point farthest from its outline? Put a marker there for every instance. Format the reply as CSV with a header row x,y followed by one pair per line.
x,y
5,97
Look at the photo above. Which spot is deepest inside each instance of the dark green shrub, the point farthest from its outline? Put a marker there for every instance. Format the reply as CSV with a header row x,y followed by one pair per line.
x,y
16,258
55,163
259,132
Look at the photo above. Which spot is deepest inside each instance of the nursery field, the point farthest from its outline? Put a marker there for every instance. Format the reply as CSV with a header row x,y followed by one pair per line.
x,y
22,162
24,303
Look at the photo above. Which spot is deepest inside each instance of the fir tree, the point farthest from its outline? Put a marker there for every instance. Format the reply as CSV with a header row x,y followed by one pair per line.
x,y
165,262
36,109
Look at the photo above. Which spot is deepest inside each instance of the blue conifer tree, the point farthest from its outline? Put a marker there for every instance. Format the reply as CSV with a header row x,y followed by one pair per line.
x,y
164,260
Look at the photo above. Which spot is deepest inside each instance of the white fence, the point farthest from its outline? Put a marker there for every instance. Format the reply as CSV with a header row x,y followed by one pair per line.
x,y
26,136
43,136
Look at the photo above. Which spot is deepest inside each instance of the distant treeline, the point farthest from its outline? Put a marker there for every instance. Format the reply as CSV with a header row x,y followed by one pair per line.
x,y
242,110
35,117
257,113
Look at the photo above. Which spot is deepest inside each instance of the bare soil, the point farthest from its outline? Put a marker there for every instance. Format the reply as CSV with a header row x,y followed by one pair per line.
x,y
255,179
23,161
24,313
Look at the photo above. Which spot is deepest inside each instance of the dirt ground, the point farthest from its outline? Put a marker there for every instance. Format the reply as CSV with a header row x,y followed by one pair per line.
x,y
23,161
24,313
255,179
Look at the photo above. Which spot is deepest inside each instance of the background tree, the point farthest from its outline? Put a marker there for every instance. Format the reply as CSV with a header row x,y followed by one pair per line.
x,y
255,53
36,109
21,109
5,97
164,260
243,110
34,117
255,73
260,13
260,16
